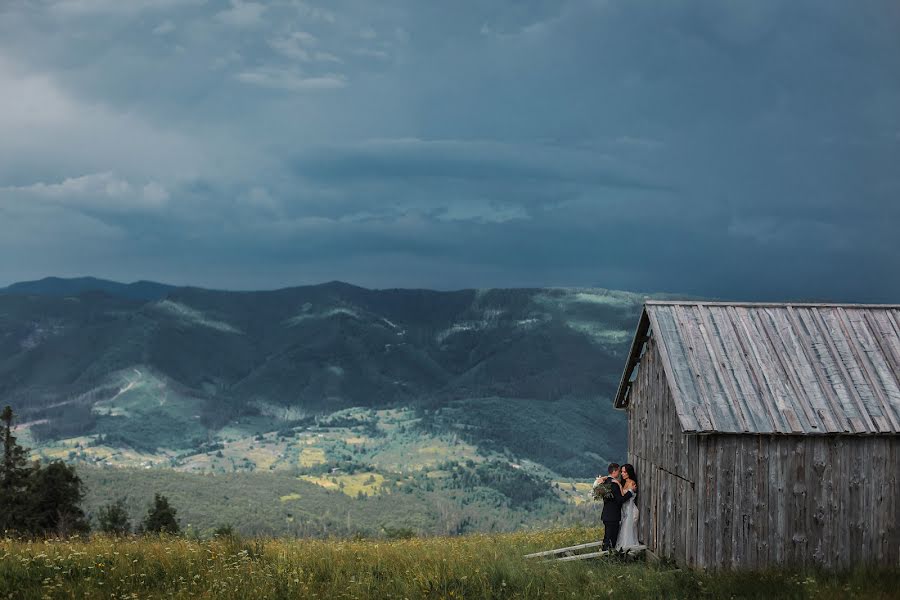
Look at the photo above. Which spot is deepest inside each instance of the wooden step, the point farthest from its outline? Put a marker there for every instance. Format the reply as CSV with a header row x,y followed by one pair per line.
x,y
564,550
569,552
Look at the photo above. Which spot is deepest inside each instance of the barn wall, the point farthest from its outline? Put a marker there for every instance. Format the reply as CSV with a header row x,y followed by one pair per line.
x,y
826,501
752,501
666,461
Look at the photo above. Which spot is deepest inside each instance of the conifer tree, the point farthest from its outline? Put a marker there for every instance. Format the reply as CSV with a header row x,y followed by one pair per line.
x,y
55,492
113,518
14,477
161,517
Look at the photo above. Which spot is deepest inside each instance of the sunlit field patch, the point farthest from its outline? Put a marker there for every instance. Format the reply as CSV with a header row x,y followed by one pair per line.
x,y
311,456
576,492
474,566
368,484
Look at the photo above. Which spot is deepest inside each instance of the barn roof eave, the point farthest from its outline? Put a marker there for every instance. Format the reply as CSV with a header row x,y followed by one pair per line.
x,y
634,355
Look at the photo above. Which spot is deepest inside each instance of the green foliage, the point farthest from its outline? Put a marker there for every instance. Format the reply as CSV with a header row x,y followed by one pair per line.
x,y
280,504
398,533
521,488
571,436
161,517
15,473
40,500
474,566
318,349
154,429
113,518
55,495
224,531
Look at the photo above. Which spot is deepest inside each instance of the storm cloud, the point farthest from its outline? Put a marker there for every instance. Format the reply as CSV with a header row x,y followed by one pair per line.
x,y
734,150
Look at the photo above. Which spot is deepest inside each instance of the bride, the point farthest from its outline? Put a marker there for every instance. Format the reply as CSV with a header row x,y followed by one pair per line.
x,y
628,535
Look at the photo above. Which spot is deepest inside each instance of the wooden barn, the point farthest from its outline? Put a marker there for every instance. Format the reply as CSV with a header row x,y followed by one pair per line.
x,y
766,434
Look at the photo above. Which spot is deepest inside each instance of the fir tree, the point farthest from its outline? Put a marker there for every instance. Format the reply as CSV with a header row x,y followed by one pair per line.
x,y
113,518
161,517
14,476
55,492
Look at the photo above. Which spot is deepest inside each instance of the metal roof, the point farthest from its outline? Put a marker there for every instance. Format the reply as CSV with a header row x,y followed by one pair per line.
x,y
762,368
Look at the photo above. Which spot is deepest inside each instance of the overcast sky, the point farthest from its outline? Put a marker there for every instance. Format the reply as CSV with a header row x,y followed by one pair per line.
x,y
725,149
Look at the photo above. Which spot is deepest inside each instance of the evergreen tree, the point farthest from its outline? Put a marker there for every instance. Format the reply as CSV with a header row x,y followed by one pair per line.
x,y
113,518
55,492
161,517
14,475
226,531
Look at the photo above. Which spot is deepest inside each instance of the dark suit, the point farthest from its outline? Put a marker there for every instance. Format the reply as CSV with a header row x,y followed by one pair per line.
x,y
612,516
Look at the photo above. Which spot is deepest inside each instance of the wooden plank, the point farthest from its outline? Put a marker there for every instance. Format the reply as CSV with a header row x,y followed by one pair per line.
x,y
820,468
805,333
888,422
725,488
766,395
884,379
842,371
841,520
750,464
722,372
761,501
699,369
746,386
682,385
657,509
739,554
856,502
887,337
631,550
800,372
681,403
877,466
777,500
701,487
563,550
853,368
892,506
810,482
797,506
769,365
796,392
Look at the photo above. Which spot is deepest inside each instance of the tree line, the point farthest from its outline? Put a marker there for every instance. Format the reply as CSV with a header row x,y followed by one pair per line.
x,y
45,499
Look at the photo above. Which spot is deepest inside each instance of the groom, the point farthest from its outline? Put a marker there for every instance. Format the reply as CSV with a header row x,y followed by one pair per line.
x,y
612,508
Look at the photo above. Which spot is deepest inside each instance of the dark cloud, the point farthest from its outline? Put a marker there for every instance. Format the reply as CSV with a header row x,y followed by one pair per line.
x,y
730,150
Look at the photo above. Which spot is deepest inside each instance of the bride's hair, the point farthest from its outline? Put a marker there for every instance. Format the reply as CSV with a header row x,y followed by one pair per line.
x,y
632,474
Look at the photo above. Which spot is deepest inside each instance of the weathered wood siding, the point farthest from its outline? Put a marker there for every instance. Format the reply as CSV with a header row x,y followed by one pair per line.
x,y
828,501
666,461
755,501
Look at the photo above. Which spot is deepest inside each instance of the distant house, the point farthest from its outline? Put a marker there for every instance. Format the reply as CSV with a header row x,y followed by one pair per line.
x,y
766,434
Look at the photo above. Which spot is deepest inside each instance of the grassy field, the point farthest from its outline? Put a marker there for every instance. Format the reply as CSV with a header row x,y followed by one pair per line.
x,y
474,566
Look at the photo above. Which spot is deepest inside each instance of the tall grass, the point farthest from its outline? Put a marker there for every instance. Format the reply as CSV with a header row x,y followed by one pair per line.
x,y
474,566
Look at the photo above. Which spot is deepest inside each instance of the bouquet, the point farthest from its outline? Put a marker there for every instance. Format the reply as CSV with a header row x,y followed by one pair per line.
x,y
602,489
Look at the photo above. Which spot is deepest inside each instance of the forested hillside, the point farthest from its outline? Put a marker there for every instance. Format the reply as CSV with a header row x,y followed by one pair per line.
x,y
323,382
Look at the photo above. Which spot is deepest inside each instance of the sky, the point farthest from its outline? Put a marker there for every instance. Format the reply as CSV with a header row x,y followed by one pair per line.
x,y
741,150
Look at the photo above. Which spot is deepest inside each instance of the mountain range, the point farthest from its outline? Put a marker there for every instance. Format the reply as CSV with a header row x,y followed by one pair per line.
x,y
317,379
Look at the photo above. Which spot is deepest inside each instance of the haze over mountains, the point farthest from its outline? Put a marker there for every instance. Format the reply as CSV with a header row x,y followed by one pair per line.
x,y
311,379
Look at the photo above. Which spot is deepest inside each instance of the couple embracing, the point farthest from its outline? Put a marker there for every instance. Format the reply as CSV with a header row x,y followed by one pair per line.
x,y
620,513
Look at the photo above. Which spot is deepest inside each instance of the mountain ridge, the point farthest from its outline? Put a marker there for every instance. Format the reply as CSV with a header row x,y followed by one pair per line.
x,y
497,398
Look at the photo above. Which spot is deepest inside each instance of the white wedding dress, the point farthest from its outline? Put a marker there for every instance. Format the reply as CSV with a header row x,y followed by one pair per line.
x,y
628,534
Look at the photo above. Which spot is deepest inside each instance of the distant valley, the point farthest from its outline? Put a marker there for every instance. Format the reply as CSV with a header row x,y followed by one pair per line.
x,y
481,409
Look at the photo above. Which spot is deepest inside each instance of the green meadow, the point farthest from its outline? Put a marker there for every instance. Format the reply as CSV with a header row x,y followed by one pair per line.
x,y
470,566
